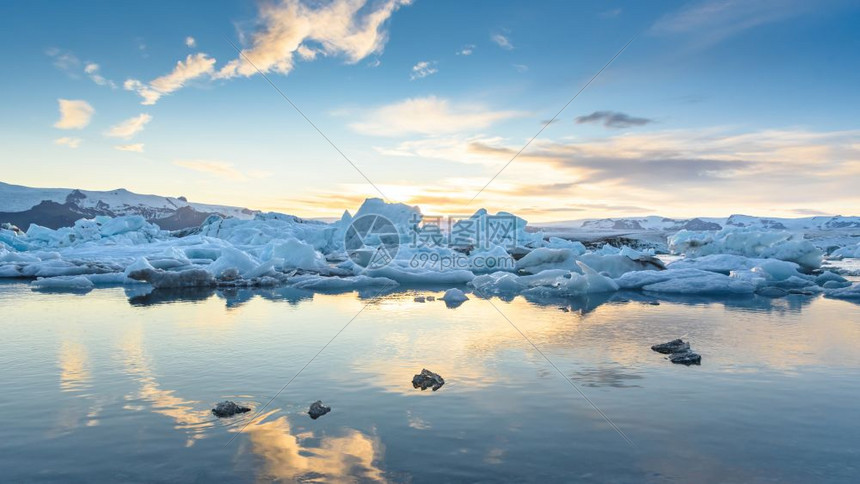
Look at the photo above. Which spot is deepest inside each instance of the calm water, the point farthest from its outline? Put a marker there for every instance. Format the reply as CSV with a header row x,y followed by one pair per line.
x,y
113,386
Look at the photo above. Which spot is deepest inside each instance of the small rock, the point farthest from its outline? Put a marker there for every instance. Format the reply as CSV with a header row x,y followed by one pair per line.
x,y
654,303
317,409
228,409
420,299
564,309
674,346
427,379
801,292
431,298
686,358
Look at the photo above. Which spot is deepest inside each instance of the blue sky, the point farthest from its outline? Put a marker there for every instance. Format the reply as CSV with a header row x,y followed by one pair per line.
x,y
717,107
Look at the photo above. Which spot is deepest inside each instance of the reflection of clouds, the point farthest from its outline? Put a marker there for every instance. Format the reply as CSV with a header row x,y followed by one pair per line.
x,y
183,412
76,377
74,367
291,457
417,422
468,346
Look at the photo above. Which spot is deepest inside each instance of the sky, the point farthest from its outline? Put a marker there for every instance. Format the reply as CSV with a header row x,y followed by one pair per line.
x,y
716,107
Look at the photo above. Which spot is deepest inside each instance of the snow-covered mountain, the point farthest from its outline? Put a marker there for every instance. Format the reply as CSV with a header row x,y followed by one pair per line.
x,y
59,207
664,224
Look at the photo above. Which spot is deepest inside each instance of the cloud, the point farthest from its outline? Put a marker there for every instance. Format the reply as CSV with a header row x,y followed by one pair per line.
x,y
129,127
427,116
466,50
74,114
521,68
64,60
423,69
353,29
194,66
502,41
67,141
190,42
67,62
715,20
612,13
220,169
92,71
136,147
612,119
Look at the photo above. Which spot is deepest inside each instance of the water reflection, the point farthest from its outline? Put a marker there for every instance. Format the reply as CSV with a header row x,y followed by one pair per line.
x,y
189,416
608,376
290,455
144,295
76,379
74,367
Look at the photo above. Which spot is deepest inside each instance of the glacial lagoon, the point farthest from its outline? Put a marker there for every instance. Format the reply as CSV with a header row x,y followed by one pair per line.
x,y
117,385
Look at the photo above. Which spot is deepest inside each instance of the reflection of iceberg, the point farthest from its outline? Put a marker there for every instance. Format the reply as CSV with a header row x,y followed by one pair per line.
x,y
306,458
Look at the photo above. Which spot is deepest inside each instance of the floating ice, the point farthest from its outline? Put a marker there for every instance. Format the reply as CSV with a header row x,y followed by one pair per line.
x,y
63,283
455,296
768,244
277,249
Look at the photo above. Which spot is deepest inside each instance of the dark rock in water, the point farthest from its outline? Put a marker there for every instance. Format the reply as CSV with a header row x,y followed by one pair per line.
x,y
317,409
564,309
420,299
431,298
686,358
654,303
427,379
228,409
674,346
773,292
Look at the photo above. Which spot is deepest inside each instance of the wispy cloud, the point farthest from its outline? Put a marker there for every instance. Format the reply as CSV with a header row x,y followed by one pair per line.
x,y
466,50
190,42
612,119
129,127
712,21
521,68
92,71
502,41
64,60
74,114
611,13
67,141
69,63
221,169
428,116
136,147
194,66
353,29
423,69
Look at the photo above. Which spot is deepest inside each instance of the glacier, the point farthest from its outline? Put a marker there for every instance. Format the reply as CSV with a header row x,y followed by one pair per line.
x,y
273,249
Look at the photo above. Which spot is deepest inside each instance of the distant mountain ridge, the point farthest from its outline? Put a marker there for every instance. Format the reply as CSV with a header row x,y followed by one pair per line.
x,y
665,224
60,207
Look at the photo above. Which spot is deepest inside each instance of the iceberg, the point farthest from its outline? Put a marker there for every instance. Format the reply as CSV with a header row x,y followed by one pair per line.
x,y
273,249
63,283
749,242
